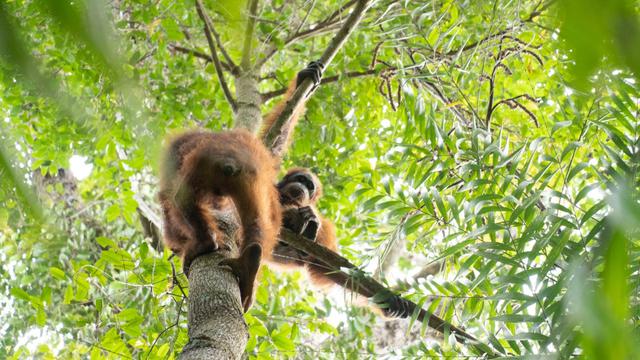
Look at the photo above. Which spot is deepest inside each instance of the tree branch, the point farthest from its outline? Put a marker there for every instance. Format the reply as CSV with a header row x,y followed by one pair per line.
x,y
151,223
368,287
193,52
537,11
214,300
233,67
331,79
330,23
199,54
338,12
214,55
274,139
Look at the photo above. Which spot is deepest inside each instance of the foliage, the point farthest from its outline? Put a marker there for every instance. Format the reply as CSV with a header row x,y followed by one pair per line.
x,y
466,145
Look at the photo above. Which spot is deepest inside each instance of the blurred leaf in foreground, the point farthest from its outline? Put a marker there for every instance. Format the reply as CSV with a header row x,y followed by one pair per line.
x,y
597,30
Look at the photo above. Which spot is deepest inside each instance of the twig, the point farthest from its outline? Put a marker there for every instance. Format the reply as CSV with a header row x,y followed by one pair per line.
x,y
339,12
306,16
274,139
233,67
200,55
517,104
214,56
513,101
166,329
394,247
538,10
317,30
450,105
193,52
146,56
331,79
329,23
526,96
535,13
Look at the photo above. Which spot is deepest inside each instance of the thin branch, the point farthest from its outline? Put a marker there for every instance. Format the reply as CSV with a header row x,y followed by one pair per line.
x,y
475,44
214,55
328,24
338,13
539,9
167,328
331,79
535,13
456,109
491,95
450,105
200,55
252,7
193,52
316,30
527,111
393,248
274,139
526,96
306,16
234,68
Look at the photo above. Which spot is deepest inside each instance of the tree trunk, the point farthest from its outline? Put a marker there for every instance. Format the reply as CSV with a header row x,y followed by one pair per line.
x,y
217,329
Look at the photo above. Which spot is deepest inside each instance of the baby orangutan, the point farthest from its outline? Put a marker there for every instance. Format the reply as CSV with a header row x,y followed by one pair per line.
x,y
299,191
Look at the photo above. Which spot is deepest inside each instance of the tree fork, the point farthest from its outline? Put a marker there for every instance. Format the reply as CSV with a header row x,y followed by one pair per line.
x,y
275,138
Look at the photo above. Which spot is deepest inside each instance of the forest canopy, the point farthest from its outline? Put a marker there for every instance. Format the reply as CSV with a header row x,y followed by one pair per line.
x,y
479,158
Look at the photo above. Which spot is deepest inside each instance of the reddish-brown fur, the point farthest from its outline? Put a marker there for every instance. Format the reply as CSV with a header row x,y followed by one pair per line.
x,y
298,202
277,110
202,171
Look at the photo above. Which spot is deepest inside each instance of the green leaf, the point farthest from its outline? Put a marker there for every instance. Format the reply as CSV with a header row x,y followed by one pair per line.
x,y
282,341
20,294
575,170
517,318
57,273
560,125
172,29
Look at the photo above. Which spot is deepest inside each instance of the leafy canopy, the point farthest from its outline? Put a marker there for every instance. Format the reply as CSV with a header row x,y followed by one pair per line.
x,y
480,157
